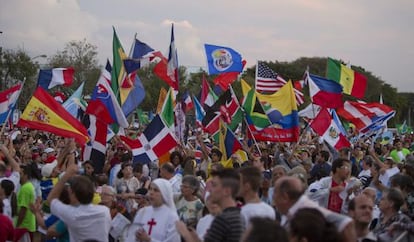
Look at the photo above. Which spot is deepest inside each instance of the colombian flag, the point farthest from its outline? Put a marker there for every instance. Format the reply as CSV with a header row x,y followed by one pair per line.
x,y
43,112
283,106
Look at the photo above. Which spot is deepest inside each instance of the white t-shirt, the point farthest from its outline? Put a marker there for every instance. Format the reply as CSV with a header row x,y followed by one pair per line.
x,y
260,209
15,178
203,225
159,223
84,222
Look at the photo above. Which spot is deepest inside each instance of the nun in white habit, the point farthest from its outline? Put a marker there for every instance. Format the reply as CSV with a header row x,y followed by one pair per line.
x,y
157,221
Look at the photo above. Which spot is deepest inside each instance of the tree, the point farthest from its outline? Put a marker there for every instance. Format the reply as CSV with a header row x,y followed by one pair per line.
x,y
15,66
82,56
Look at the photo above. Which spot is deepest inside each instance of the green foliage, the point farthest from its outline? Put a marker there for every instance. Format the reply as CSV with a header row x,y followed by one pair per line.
x,y
15,66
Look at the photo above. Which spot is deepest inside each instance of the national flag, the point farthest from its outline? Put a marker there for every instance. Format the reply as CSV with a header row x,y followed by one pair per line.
x,y
60,97
188,103
167,110
329,129
95,149
222,59
224,80
44,113
73,103
228,142
363,114
8,99
255,114
155,141
226,108
142,117
353,83
283,108
402,128
160,69
310,111
134,98
208,97
118,71
199,112
172,66
161,98
268,81
324,92
54,77
103,93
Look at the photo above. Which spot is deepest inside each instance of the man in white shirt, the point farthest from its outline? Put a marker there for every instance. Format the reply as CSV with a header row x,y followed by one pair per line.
x,y
167,172
84,220
250,180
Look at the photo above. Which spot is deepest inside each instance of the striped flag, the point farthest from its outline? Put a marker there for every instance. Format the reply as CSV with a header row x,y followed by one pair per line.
x,y
268,81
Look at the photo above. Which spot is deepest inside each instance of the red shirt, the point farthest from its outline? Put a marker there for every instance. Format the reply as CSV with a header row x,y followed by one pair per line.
x,y
335,201
6,229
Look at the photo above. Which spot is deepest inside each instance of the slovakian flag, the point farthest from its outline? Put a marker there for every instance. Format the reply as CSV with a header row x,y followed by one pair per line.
x,y
222,59
330,129
8,99
156,140
104,97
54,77
326,93
44,113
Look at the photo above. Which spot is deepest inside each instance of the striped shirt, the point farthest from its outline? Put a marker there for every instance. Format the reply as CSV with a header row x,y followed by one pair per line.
x,y
228,226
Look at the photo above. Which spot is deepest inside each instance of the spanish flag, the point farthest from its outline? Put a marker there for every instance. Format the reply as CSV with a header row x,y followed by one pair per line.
x,y
43,112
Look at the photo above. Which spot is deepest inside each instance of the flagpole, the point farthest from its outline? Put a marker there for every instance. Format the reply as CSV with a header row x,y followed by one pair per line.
x,y
8,115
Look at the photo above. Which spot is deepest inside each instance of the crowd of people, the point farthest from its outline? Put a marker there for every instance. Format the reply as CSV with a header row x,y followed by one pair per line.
x,y
279,192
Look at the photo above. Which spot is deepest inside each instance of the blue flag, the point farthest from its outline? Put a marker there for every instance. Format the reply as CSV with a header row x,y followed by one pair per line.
x,y
222,59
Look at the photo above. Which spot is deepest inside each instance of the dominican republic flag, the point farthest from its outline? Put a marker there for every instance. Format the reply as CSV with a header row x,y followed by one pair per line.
x,y
54,77
95,148
156,140
8,99
330,129
324,92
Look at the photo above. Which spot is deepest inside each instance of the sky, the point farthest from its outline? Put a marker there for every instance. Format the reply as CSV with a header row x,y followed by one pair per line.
x,y
374,34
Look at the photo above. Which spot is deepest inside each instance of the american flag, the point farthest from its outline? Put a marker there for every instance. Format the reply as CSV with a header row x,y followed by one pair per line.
x,y
269,81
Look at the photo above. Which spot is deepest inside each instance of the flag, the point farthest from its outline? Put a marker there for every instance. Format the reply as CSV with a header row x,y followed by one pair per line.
x,y
199,112
222,59
402,128
328,128
255,114
118,71
155,141
353,83
324,92
54,77
60,97
134,98
160,69
208,97
188,103
95,149
103,94
172,66
226,108
281,106
73,103
161,98
228,142
310,111
224,80
363,114
8,99
142,117
167,110
44,113
268,81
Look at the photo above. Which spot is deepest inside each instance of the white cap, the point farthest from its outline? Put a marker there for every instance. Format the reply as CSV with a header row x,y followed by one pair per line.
x,y
48,169
48,150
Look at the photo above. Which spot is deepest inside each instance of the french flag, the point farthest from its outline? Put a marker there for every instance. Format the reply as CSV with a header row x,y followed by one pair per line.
x,y
324,92
54,77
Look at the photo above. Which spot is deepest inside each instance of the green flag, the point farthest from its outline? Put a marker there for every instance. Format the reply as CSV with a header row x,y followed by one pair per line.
x,y
117,72
167,111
